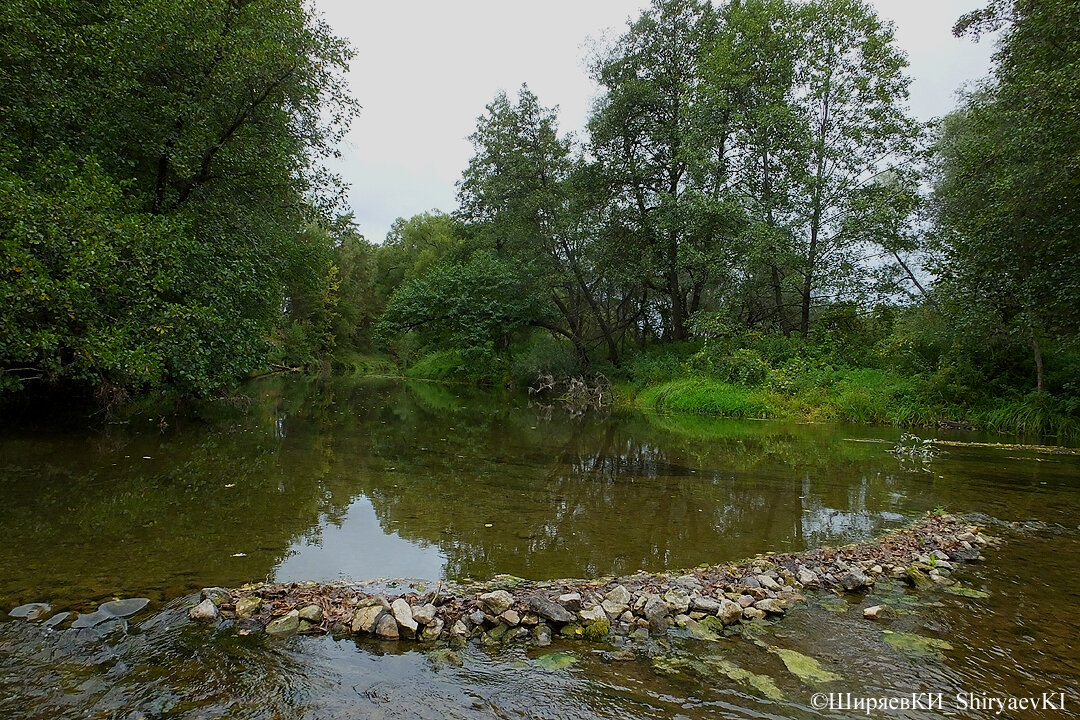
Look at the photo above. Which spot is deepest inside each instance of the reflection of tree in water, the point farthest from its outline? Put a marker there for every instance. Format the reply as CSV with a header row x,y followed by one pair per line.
x,y
563,497
587,497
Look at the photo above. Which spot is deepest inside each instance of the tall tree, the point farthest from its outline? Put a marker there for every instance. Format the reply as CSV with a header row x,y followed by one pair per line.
x,y
1007,201
852,98
661,141
183,141
523,190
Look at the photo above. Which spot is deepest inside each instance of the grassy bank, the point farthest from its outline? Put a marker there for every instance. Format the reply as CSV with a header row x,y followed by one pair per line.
x,y
809,389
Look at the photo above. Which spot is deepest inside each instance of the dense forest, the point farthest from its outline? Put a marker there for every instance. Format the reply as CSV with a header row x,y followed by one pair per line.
x,y
753,224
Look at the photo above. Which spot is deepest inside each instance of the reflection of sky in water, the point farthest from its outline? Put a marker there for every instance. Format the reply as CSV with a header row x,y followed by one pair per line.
x,y
358,549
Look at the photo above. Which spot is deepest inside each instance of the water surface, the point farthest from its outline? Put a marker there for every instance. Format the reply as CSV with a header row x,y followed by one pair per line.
x,y
369,479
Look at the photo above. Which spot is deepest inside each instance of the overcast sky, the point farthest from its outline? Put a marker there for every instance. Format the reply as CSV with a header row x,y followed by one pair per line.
x,y
425,70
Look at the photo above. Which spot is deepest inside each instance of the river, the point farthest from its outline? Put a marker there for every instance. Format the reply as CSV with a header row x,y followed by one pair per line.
x,y
346,479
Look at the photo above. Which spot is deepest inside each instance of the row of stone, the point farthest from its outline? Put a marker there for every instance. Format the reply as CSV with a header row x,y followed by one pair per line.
x,y
705,601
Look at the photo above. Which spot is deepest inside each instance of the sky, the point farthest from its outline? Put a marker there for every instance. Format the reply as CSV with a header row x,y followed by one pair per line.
x,y
425,70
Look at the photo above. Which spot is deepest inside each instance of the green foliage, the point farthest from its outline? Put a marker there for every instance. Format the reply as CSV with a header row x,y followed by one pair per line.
x,y
472,308
1006,200
710,397
152,203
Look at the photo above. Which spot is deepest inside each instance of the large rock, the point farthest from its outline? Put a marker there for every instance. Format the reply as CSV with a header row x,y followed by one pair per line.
x,y
432,631
367,617
807,578
310,613
496,602
386,628
284,625
206,611
218,595
620,595
424,614
705,604
854,579
551,611
403,615
771,606
617,601
677,601
656,613
592,614
768,583
729,612
689,582
753,613
571,601
248,606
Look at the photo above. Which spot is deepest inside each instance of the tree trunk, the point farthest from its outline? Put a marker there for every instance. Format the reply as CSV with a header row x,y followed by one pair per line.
x,y
1037,349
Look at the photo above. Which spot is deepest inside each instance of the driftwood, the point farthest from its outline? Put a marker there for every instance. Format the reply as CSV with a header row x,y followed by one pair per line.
x,y
577,394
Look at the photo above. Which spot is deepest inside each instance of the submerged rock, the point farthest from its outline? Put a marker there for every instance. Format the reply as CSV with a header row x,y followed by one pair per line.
x,y
125,608
804,667
31,611
556,661
762,684
916,645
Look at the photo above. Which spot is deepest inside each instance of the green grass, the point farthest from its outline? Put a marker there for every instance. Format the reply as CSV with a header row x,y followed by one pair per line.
x,y
867,396
711,397
1036,414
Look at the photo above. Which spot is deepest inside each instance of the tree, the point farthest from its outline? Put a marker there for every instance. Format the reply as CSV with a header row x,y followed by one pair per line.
x,y
528,198
181,139
851,97
1008,163
661,141
471,307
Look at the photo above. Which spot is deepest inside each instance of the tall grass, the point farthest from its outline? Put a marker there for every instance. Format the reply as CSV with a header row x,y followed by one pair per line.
x,y
1033,414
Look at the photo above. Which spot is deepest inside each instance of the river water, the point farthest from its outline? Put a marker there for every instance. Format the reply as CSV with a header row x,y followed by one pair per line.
x,y
365,479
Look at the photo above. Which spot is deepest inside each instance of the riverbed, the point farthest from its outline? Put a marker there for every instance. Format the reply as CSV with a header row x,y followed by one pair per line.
x,y
353,480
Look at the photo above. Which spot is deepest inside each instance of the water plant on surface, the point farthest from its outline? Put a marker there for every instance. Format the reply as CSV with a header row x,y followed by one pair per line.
x,y
914,450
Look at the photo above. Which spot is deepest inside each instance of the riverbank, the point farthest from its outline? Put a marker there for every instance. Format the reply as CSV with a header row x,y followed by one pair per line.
x,y
856,396
706,601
